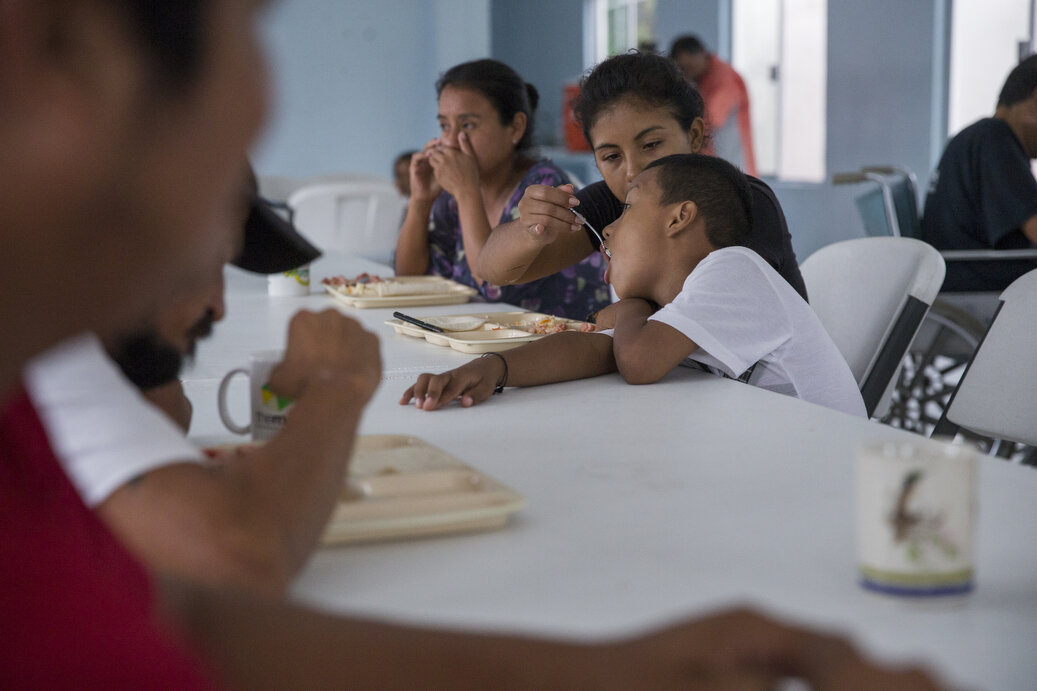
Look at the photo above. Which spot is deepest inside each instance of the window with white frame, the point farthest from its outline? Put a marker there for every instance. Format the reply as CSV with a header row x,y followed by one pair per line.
x,y
995,30
620,25
779,49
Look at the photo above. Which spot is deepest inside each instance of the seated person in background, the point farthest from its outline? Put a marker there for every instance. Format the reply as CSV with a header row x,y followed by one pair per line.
x,y
727,100
983,194
634,108
471,178
401,172
724,308
249,520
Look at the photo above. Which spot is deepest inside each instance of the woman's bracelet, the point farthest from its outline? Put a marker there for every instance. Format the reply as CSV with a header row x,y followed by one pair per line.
x,y
503,381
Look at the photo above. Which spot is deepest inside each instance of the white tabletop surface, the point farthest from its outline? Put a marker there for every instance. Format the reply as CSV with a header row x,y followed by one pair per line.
x,y
649,503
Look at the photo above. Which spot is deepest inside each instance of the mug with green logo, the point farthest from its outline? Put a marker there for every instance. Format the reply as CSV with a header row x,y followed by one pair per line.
x,y
288,283
268,410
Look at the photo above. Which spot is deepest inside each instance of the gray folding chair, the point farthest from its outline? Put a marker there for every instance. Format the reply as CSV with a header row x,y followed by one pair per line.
x,y
956,321
997,395
871,295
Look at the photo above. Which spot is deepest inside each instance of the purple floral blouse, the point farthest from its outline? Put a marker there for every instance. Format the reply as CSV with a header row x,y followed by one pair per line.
x,y
575,292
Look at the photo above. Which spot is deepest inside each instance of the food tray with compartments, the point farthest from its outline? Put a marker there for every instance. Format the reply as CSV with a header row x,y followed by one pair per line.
x,y
487,332
401,486
401,291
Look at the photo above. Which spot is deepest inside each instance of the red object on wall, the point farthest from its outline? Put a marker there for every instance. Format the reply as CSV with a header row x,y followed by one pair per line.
x,y
574,139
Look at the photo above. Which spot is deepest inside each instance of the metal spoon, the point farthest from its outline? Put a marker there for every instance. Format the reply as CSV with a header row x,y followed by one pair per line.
x,y
606,250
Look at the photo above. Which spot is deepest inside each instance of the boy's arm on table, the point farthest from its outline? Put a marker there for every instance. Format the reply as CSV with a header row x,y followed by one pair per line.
x,y
253,519
264,644
646,350
555,358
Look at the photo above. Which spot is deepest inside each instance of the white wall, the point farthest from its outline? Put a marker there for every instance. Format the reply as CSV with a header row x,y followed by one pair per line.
x,y
991,29
354,79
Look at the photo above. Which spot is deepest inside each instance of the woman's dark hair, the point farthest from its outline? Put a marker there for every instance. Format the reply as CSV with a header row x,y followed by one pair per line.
x,y
1020,83
170,32
501,86
720,191
650,79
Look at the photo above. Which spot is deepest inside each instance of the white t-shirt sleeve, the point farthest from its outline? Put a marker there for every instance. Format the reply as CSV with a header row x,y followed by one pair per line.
x,y
104,432
732,334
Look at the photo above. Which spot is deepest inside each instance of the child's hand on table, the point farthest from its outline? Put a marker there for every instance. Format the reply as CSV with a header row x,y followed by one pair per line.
x,y
471,383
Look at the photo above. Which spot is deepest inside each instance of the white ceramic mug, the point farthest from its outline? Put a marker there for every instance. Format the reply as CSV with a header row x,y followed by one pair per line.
x,y
268,410
916,508
288,283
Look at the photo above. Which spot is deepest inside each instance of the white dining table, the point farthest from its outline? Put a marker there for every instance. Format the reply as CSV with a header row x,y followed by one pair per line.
x,y
648,504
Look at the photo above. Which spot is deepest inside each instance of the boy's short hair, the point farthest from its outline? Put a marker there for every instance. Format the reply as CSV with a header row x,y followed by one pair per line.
x,y
720,191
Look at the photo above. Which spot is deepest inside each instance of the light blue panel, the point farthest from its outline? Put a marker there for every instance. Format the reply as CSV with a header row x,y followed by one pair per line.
x,y
880,110
462,31
543,41
354,80
699,17
880,84
818,215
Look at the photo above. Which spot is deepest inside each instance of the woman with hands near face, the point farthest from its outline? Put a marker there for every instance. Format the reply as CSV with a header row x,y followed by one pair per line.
x,y
471,178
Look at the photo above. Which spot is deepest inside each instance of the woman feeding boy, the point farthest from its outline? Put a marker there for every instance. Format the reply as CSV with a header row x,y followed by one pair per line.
x,y
725,309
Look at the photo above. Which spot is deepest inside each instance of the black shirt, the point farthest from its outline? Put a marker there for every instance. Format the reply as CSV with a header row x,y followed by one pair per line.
x,y
979,197
769,237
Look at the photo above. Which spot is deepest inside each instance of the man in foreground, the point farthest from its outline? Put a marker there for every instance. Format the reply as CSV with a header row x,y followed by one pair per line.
x,y
249,520
130,115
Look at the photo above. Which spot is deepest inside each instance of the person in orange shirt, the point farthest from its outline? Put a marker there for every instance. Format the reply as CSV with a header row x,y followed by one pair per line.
x,y
727,100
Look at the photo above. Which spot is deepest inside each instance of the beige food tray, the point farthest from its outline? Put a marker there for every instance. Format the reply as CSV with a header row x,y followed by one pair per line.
x,y
488,338
401,486
435,290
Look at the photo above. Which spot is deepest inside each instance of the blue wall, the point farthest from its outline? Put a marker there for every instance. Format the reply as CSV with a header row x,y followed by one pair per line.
x,y
880,91
354,79
543,41
879,84
704,18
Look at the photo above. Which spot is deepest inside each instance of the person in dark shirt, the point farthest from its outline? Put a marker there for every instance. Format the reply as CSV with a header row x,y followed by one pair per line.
x,y
634,108
983,194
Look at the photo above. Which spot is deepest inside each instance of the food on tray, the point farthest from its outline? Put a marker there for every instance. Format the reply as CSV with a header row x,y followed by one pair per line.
x,y
547,325
373,286
340,280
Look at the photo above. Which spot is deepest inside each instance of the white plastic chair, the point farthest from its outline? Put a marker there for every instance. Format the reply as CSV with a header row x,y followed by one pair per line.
x,y
871,295
997,395
359,217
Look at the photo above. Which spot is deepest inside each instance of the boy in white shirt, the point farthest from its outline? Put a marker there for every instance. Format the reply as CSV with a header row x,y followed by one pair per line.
x,y
724,308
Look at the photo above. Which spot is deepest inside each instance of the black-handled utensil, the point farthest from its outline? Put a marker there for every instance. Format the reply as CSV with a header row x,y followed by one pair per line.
x,y
417,322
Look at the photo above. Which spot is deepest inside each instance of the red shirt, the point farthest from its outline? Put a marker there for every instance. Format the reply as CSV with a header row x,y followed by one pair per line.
x,y
76,610
724,92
